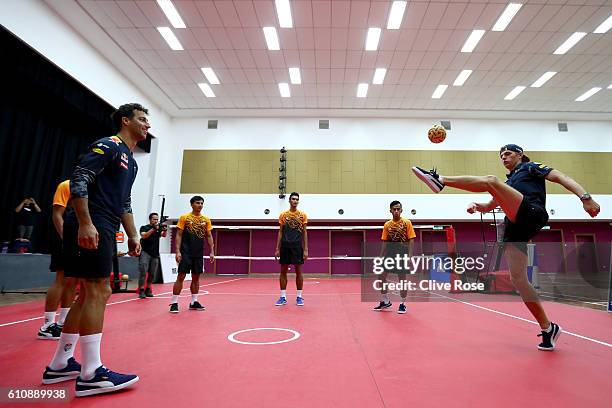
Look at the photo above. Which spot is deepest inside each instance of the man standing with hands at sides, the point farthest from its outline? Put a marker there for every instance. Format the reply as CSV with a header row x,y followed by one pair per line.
x,y
100,188
191,230
149,256
292,248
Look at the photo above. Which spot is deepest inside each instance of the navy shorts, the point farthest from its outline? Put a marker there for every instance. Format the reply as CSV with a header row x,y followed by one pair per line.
x,y
88,263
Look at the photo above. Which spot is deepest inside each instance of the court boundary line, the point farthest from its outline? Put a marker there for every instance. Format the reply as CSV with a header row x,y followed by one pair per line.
x,y
603,343
118,302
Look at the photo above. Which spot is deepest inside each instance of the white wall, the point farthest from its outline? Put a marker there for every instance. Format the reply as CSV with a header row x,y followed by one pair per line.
x,y
46,32
383,134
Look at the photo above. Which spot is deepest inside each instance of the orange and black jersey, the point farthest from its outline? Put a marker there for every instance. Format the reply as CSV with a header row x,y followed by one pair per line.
x,y
400,231
195,229
293,224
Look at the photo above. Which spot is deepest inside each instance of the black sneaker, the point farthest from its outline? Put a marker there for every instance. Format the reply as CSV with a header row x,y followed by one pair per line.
x,y
141,294
431,178
149,292
401,309
549,339
196,306
174,308
51,332
382,305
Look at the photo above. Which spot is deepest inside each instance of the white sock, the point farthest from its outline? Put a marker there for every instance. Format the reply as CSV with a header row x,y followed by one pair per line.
x,y
174,299
49,319
299,293
403,300
283,293
440,179
65,349
62,316
385,297
194,298
90,354
549,328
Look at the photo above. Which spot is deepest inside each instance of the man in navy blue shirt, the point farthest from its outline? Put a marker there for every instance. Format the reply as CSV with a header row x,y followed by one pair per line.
x,y
100,190
523,199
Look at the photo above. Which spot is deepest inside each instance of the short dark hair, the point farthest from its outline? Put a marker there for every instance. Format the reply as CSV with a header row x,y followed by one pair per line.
x,y
294,194
152,214
196,198
525,159
126,111
394,202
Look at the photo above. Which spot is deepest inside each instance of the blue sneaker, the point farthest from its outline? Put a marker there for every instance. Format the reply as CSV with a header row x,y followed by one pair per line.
x,y
70,372
103,381
299,301
281,301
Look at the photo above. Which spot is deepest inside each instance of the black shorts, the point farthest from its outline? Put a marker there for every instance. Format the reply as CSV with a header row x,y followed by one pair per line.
x,y
291,255
57,256
191,265
88,263
530,219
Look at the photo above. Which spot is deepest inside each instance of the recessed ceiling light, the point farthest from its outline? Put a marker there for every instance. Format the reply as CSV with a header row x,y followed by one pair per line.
x,y
379,76
362,90
210,75
170,38
439,91
372,39
170,11
207,90
507,16
514,93
396,15
462,77
569,43
588,94
285,92
604,27
283,11
271,38
472,40
543,79
295,76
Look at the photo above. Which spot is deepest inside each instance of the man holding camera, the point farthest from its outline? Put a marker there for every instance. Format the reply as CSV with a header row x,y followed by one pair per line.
x,y
149,256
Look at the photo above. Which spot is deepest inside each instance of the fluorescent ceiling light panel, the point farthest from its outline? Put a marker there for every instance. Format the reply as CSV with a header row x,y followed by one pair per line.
x,y
588,94
379,76
396,15
507,16
372,39
514,93
173,16
295,76
271,38
285,92
569,43
472,40
170,38
604,27
207,90
283,11
543,79
362,90
439,91
462,77
210,75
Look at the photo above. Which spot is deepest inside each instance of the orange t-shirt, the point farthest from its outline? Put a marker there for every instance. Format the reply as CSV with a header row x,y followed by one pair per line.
x,y
400,231
62,194
294,223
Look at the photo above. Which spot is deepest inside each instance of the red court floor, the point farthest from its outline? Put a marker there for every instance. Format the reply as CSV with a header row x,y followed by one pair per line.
x,y
438,354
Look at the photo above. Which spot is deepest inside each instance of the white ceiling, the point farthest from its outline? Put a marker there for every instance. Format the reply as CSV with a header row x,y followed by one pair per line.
x,y
327,43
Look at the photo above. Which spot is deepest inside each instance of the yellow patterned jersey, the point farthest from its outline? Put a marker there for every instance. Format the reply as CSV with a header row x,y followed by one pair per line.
x,y
293,223
400,231
195,228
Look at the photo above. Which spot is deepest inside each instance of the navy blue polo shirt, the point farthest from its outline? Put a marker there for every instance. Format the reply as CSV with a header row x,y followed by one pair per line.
x,y
105,176
529,179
